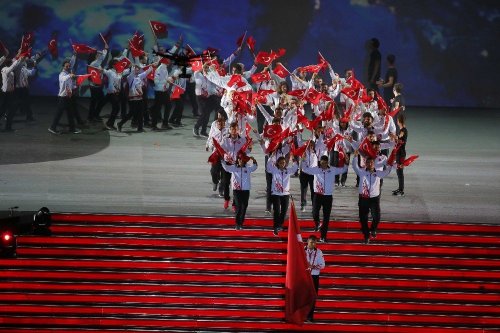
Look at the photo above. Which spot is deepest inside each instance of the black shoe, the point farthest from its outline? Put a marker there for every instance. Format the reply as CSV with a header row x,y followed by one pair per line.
x,y
367,239
110,127
275,232
196,132
166,126
76,131
396,192
373,233
401,193
119,127
322,240
316,227
141,130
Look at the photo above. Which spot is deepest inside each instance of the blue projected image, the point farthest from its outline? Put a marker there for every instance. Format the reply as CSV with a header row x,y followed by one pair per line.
x,y
446,52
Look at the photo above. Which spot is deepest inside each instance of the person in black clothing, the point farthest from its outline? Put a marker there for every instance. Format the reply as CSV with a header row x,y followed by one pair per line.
x,y
401,155
375,64
398,102
391,78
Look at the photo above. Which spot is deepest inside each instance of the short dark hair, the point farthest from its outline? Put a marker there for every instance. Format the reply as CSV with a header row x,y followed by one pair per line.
x,y
234,124
398,87
323,158
313,237
375,42
401,118
391,59
367,114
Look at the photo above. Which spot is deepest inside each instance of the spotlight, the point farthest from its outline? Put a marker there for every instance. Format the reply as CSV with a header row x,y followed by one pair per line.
x,y
41,222
8,244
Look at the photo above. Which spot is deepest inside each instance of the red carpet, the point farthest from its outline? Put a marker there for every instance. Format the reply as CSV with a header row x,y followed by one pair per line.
x,y
120,273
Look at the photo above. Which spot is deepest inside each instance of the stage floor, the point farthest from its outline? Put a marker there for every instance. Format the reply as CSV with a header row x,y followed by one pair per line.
x,y
456,178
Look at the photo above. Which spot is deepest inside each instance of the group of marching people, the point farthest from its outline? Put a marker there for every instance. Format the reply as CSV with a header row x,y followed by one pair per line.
x,y
346,119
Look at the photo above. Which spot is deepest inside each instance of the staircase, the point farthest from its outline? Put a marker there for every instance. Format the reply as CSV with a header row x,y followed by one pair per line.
x,y
121,273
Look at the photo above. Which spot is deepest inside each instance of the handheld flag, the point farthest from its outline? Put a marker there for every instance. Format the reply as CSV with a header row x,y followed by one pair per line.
x,y
159,29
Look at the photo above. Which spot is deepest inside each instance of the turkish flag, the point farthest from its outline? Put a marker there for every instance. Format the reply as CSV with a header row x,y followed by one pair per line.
x,y
177,93
331,142
311,68
25,54
299,93
52,46
151,75
196,64
409,160
159,29
322,61
328,113
260,77
218,148
83,49
261,95
264,58
392,157
366,148
272,130
300,150
281,71
235,79
382,105
313,96
135,51
81,78
122,64
137,41
213,158
281,52
300,293
304,121
243,97
26,41
251,43
244,148
95,75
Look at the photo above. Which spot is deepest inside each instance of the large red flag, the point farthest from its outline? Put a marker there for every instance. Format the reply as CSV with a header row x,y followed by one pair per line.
x,y
159,29
83,49
300,294
281,71
196,64
366,148
272,130
261,77
137,41
264,58
299,151
135,51
81,78
409,160
177,92
299,93
122,64
95,75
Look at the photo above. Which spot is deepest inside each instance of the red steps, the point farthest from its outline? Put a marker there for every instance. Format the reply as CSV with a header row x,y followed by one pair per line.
x,y
111,272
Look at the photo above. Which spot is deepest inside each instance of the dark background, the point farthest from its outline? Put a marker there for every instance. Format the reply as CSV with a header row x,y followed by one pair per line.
x,y
447,51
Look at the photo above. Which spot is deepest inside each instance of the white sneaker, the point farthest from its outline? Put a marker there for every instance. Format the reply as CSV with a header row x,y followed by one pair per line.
x,y
303,209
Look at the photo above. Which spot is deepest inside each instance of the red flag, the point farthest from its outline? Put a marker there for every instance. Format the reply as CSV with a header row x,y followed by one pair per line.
x,y
95,75
260,77
81,78
196,64
218,148
311,68
313,96
394,112
316,122
251,43
52,46
242,97
248,128
177,92
165,61
366,148
299,93
151,75
240,40
135,51
159,29
300,293
328,113
300,150
304,121
261,95
242,152
211,50
137,41
281,52
322,61
213,158
409,160
26,41
281,71
25,54
264,58
392,157
235,79
83,49
331,142
122,64
272,130
381,103
275,141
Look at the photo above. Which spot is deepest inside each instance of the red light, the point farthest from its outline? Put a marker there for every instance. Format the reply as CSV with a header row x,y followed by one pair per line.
x,y
7,237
